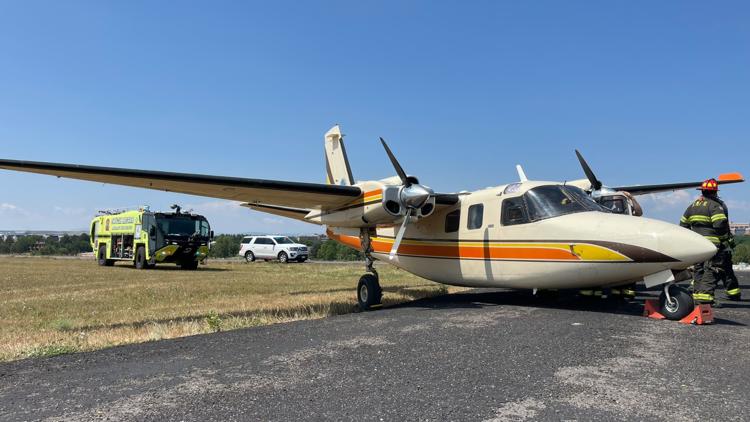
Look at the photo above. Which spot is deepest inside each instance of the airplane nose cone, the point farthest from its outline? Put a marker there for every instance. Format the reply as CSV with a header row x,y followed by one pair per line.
x,y
685,245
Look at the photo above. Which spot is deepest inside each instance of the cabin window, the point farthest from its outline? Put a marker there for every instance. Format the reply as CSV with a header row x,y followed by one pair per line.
x,y
514,212
476,212
452,221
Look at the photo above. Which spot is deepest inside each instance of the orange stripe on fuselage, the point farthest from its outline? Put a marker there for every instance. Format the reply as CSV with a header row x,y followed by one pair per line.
x,y
461,252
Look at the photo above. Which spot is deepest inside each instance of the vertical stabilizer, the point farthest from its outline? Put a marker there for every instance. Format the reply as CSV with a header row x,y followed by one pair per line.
x,y
521,174
338,171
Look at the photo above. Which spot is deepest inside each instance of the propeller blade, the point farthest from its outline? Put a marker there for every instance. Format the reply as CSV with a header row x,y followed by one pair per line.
x,y
399,236
595,183
399,170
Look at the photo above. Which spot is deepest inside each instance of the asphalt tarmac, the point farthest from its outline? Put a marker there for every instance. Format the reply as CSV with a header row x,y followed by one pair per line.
x,y
494,356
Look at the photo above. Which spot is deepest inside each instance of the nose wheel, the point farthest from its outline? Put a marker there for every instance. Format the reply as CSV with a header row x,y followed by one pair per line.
x,y
369,293
675,302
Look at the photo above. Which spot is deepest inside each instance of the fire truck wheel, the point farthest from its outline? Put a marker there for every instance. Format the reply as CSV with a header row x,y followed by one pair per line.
x,y
102,256
103,261
189,265
140,258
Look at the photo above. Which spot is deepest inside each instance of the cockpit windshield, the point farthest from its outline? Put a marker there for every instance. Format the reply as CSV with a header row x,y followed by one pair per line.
x,y
555,200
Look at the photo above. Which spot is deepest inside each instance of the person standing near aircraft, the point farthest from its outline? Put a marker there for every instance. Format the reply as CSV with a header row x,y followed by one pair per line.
x,y
707,216
726,272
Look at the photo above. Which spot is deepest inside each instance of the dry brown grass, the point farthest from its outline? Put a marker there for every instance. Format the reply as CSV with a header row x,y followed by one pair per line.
x,y
53,306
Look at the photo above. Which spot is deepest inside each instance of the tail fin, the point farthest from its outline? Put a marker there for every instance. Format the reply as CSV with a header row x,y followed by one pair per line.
x,y
338,171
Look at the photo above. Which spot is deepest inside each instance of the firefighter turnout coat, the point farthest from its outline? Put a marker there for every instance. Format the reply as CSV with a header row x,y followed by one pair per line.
x,y
707,217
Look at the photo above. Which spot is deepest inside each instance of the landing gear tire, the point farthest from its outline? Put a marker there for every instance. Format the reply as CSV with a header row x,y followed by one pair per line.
x,y
140,258
283,258
678,305
369,292
249,256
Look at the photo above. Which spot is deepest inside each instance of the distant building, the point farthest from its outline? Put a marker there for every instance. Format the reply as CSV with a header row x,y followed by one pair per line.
x,y
740,229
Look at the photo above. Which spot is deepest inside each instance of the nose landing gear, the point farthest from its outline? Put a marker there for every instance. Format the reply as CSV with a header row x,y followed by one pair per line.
x,y
369,293
675,302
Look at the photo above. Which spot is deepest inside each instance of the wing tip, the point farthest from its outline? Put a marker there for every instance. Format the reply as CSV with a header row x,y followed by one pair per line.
x,y
735,177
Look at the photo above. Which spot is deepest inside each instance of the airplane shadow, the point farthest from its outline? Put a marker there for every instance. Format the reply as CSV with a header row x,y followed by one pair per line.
x,y
562,300
414,291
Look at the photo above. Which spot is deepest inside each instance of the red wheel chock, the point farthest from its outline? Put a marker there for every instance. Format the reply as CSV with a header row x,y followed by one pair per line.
x,y
702,314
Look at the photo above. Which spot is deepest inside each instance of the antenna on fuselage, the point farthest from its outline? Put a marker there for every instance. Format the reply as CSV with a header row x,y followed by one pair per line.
x,y
521,174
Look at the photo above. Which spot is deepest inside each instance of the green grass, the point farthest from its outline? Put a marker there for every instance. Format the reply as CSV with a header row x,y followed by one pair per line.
x,y
54,306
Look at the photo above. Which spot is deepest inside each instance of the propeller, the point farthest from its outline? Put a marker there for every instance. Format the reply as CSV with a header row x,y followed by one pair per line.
x,y
399,170
595,183
412,196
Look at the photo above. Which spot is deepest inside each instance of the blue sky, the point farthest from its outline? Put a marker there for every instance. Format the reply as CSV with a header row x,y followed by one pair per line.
x,y
650,92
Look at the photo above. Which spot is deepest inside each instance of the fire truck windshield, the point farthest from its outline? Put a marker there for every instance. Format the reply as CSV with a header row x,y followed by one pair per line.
x,y
182,226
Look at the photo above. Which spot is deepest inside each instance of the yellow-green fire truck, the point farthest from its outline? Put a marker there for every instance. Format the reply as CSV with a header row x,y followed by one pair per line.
x,y
148,238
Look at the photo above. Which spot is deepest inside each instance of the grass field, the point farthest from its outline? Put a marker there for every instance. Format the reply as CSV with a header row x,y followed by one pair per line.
x,y
54,306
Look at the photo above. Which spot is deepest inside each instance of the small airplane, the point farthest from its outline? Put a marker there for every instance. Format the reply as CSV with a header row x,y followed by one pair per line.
x,y
524,235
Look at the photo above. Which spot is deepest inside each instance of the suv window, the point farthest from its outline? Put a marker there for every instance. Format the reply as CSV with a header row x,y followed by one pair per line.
x,y
452,221
263,241
476,214
246,240
514,212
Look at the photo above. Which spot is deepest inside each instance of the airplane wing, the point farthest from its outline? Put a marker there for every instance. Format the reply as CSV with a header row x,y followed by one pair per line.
x,y
285,194
723,179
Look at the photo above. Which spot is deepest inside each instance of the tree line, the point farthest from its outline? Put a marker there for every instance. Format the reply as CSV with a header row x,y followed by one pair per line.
x,y
39,245
742,250
224,246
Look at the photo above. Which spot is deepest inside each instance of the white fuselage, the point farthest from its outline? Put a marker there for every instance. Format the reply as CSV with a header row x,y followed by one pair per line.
x,y
584,249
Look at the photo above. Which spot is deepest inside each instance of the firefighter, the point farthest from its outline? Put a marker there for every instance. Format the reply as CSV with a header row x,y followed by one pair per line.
x,y
726,272
707,216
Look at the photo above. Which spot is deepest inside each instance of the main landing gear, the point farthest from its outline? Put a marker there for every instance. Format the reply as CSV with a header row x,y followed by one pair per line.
x,y
369,293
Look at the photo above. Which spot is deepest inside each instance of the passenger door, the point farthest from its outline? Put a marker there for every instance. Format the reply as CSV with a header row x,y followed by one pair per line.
x,y
263,247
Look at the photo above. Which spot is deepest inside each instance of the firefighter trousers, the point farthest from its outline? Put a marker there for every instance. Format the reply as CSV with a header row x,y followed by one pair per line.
x,y
707,275
727,277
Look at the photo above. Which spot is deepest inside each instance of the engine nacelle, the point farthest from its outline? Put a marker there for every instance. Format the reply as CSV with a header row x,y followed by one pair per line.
x,y
379,205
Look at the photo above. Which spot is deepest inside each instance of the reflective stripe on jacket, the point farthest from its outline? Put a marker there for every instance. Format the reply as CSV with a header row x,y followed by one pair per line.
x,y
708,218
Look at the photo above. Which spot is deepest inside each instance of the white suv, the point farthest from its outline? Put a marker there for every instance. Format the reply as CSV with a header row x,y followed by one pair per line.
x,y
272,247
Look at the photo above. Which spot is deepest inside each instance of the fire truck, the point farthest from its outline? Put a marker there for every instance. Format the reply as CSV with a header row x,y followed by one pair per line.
x,y
147,238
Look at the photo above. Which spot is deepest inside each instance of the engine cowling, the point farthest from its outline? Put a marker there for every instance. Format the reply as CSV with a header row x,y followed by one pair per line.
x,y
380,205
